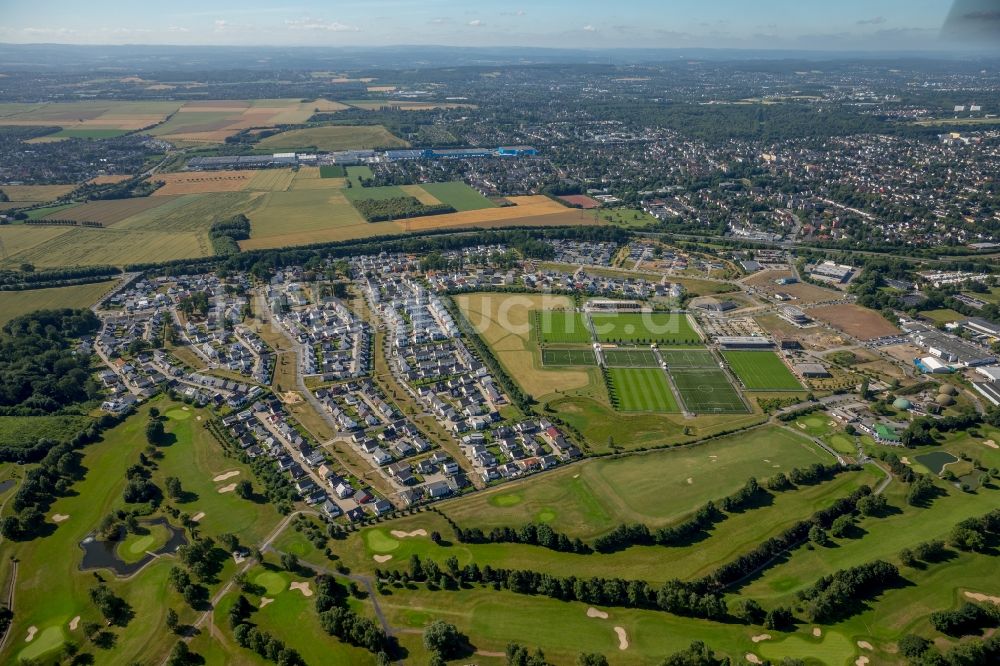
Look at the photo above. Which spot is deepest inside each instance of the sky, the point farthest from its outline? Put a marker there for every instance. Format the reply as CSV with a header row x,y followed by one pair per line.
x,y
779,24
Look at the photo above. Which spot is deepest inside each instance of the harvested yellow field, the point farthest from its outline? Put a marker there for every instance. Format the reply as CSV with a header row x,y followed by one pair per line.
x,y
324,217
18,238
36,193
420,194
504,323
80,246
271,180
108,179
110,211
16,303
197,182
89,114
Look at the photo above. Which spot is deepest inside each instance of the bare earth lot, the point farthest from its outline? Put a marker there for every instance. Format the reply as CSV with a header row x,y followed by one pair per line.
x,y
854,320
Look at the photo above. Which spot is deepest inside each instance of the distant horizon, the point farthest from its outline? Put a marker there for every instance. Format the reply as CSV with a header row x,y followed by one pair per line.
x,y
780,25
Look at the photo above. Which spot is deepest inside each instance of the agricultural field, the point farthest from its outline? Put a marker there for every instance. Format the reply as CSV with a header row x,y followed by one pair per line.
x,y
212,121
630,358
761,371
707,391
108,212
112,246
16,303
557,327
332,171
458,195
36,193
332,138
659,327
568,357
405,105
89,115
198,182
641,390
854,320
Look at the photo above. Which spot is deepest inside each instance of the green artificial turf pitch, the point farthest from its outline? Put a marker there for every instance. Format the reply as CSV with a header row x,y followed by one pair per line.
x,y
630,358
568,357
685,359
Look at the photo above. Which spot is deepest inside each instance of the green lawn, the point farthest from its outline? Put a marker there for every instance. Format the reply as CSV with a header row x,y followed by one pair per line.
x,y
377,193
707,391
134,546
51,589
558,326
332,171
356,173
591,498
642,390
458,195
659,327
761,371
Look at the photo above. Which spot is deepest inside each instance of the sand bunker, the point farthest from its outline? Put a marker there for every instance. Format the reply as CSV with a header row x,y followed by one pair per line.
x,y
302,587
979,596
861,661
761,637
752,658
228,489
198,418
817,632
576,476
265,601
622,638
74,623
198,516
226,475
990,443
400,534
593,612
865,645
59,517
184,408
690,481
381,559
31,634
904,460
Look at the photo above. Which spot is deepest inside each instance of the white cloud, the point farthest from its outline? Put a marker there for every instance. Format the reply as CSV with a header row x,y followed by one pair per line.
x,y
878,20
476,23
317,24
589,28
221,25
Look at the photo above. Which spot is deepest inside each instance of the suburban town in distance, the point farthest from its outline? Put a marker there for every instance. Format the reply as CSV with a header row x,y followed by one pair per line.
x,y
421,333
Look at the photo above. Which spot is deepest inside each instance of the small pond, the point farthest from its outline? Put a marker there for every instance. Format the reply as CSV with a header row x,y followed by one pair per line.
x,y
936,460
103,554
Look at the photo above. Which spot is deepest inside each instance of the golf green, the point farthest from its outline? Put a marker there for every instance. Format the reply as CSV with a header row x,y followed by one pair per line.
x,y
380,542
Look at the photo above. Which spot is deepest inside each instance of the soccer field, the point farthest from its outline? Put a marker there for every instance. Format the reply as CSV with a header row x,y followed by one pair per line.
x,y
641,390
707,391
630,358
568,357
686,359
556,326
632,327
761,371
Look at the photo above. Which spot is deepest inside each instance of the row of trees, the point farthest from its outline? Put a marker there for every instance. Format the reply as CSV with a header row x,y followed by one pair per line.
x,y
794,536
836,596
675,596
338,620
395,208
